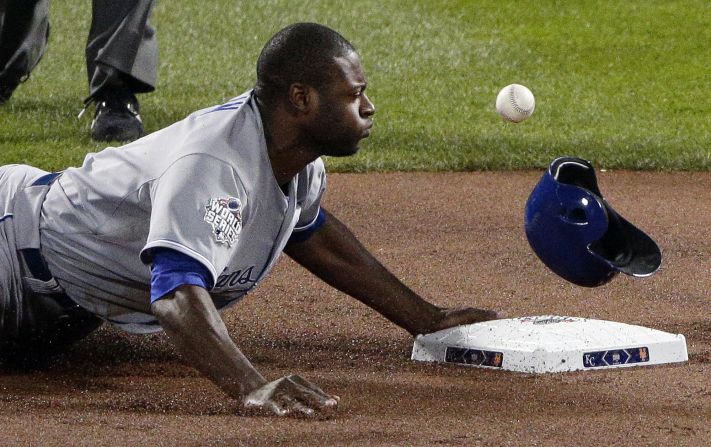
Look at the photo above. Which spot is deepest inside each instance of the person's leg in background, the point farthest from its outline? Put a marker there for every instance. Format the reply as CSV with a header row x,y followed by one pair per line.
x,y
24,31
121,59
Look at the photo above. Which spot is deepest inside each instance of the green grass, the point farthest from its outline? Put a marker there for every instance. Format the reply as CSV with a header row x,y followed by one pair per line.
x,y
624,84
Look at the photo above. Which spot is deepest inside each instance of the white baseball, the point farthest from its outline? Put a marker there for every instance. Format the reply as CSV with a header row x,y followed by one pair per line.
x,y
515,103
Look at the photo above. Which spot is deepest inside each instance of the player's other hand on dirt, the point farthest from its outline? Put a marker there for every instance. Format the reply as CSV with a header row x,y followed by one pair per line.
x,y
291,396
447,317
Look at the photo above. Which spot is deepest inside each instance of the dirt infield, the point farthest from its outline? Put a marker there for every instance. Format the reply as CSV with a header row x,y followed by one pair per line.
x,y
457,238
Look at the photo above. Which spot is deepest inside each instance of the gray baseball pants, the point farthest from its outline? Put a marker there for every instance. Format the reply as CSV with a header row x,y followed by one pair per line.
x,y
34,319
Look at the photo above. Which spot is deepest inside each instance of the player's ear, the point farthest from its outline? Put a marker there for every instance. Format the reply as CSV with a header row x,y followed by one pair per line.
x,y
302,97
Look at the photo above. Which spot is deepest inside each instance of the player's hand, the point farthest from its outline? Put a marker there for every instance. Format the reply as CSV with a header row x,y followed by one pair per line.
x,y
456,316
291,396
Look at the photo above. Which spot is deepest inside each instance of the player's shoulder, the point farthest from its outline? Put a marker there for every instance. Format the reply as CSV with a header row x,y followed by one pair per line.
x,y
232,106
218,129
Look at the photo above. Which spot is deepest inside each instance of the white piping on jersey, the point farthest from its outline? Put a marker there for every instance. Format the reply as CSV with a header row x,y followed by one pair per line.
x,y
164,243
308,225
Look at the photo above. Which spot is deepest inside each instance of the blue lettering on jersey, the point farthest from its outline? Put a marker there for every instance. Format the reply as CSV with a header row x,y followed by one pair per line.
x,y
236,278
232,104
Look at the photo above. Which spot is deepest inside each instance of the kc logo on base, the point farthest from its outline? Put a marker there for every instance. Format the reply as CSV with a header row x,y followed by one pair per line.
x,y
225,217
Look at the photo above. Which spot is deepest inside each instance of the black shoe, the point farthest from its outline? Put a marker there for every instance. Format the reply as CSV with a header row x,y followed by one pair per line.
x,y
116,117
6,90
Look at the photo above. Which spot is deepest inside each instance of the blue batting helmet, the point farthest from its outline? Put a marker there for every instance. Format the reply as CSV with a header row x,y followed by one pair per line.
x,y
578,235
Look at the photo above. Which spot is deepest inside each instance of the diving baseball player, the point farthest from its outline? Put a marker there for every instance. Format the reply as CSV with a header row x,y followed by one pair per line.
x,y
165,232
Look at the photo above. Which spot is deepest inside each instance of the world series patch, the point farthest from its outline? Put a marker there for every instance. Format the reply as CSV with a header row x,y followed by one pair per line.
x,y
225,217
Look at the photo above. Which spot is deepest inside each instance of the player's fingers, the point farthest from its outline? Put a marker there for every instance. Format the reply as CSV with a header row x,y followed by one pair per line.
x,y
256,407
297,379
270,398
317,401
306,384
313,406
278,409
293,406
301,410
314,395
291,396
280,405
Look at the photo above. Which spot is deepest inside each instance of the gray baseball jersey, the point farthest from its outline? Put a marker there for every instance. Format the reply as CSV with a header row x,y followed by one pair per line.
x,y
203,186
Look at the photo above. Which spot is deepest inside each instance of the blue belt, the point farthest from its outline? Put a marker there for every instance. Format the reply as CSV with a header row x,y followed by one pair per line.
x,y
32,256
36,263
46,179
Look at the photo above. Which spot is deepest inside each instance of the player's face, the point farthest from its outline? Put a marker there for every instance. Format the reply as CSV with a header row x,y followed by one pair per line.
x,y
345,114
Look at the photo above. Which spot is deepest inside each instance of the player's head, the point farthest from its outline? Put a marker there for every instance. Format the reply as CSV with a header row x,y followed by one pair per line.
x,y
317,74
578,235
299,53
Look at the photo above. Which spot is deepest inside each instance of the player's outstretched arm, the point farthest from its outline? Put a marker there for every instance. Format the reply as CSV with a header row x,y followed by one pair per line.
x,y
335,255
193,324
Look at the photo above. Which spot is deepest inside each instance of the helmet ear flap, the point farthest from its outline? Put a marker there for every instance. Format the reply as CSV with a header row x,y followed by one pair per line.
x,y
627,248
577,234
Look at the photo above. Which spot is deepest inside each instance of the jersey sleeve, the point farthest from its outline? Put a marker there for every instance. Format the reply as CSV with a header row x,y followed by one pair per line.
x,y
171,269
312,185
198,206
